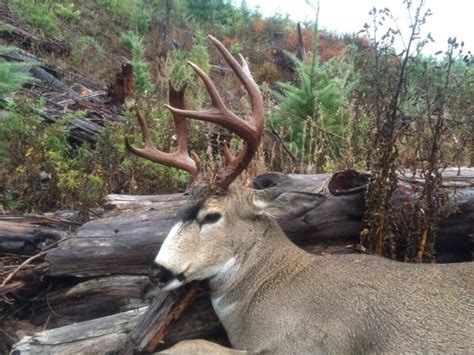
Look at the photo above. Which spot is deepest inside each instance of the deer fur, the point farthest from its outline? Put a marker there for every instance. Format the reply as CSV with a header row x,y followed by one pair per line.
x,y
274,298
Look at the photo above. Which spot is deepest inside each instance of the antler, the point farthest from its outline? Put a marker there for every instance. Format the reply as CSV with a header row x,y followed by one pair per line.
x,y
179,159
250,131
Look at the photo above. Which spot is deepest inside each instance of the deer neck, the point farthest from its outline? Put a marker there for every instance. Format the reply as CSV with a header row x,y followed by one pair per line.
x,y
270,252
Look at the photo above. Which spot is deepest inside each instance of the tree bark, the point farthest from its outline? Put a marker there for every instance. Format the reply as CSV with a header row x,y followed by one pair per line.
x,y
150,331
123,87
98,336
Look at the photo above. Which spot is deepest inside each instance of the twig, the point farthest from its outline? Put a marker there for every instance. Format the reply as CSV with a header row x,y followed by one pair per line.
x,y
29,260
345,140
421,247
11,287
85,97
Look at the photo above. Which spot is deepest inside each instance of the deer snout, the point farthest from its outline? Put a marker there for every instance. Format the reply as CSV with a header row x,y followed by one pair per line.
x,y
162,276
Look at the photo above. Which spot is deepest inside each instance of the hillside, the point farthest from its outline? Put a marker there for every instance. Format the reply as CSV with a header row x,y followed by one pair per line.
x,y
84,45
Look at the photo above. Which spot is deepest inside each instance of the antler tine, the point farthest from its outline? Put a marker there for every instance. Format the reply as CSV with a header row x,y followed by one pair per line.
x,y
176,98
243,73
218,113
180,159
250,131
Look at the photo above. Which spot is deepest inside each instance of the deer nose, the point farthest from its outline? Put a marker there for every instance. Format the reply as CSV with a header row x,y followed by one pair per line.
x,y
160,275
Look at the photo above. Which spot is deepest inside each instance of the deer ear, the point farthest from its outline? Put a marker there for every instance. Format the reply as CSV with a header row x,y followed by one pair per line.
x,y
283,205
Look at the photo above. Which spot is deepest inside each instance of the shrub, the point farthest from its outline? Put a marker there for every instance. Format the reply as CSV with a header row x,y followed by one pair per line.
x,y
235,49
268,72
67,11
140,18
141,72
87,51
133,12
117,7
199,54
5,27
39,169
313,113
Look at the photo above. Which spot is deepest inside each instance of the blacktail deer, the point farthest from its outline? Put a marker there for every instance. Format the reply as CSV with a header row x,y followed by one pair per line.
x,y
273,297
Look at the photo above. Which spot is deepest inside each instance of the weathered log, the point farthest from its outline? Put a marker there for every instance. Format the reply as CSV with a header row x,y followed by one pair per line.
x,y
25,239
123,204
109,334
94,298
48,78
199,321
113,245
30,234
40,73
83,130
98,336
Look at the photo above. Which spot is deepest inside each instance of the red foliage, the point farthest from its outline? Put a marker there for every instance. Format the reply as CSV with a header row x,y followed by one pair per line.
x,y
329,46
227,41
292,40
258,26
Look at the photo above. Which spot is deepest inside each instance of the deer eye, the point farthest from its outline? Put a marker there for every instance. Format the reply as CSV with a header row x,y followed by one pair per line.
x,y
211,218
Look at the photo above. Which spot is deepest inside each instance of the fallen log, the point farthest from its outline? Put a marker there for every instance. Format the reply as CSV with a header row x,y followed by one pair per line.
x,y
30,234
109,334
98,336
62,99
90,299
18,238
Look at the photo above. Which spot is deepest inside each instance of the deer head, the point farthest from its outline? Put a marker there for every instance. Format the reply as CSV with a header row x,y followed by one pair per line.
x,y
221,221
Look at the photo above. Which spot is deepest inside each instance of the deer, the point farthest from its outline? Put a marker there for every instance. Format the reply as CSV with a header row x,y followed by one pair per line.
x,y
273,297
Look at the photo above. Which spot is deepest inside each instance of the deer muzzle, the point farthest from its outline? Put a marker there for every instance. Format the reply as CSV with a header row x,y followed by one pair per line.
x,y
165,278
